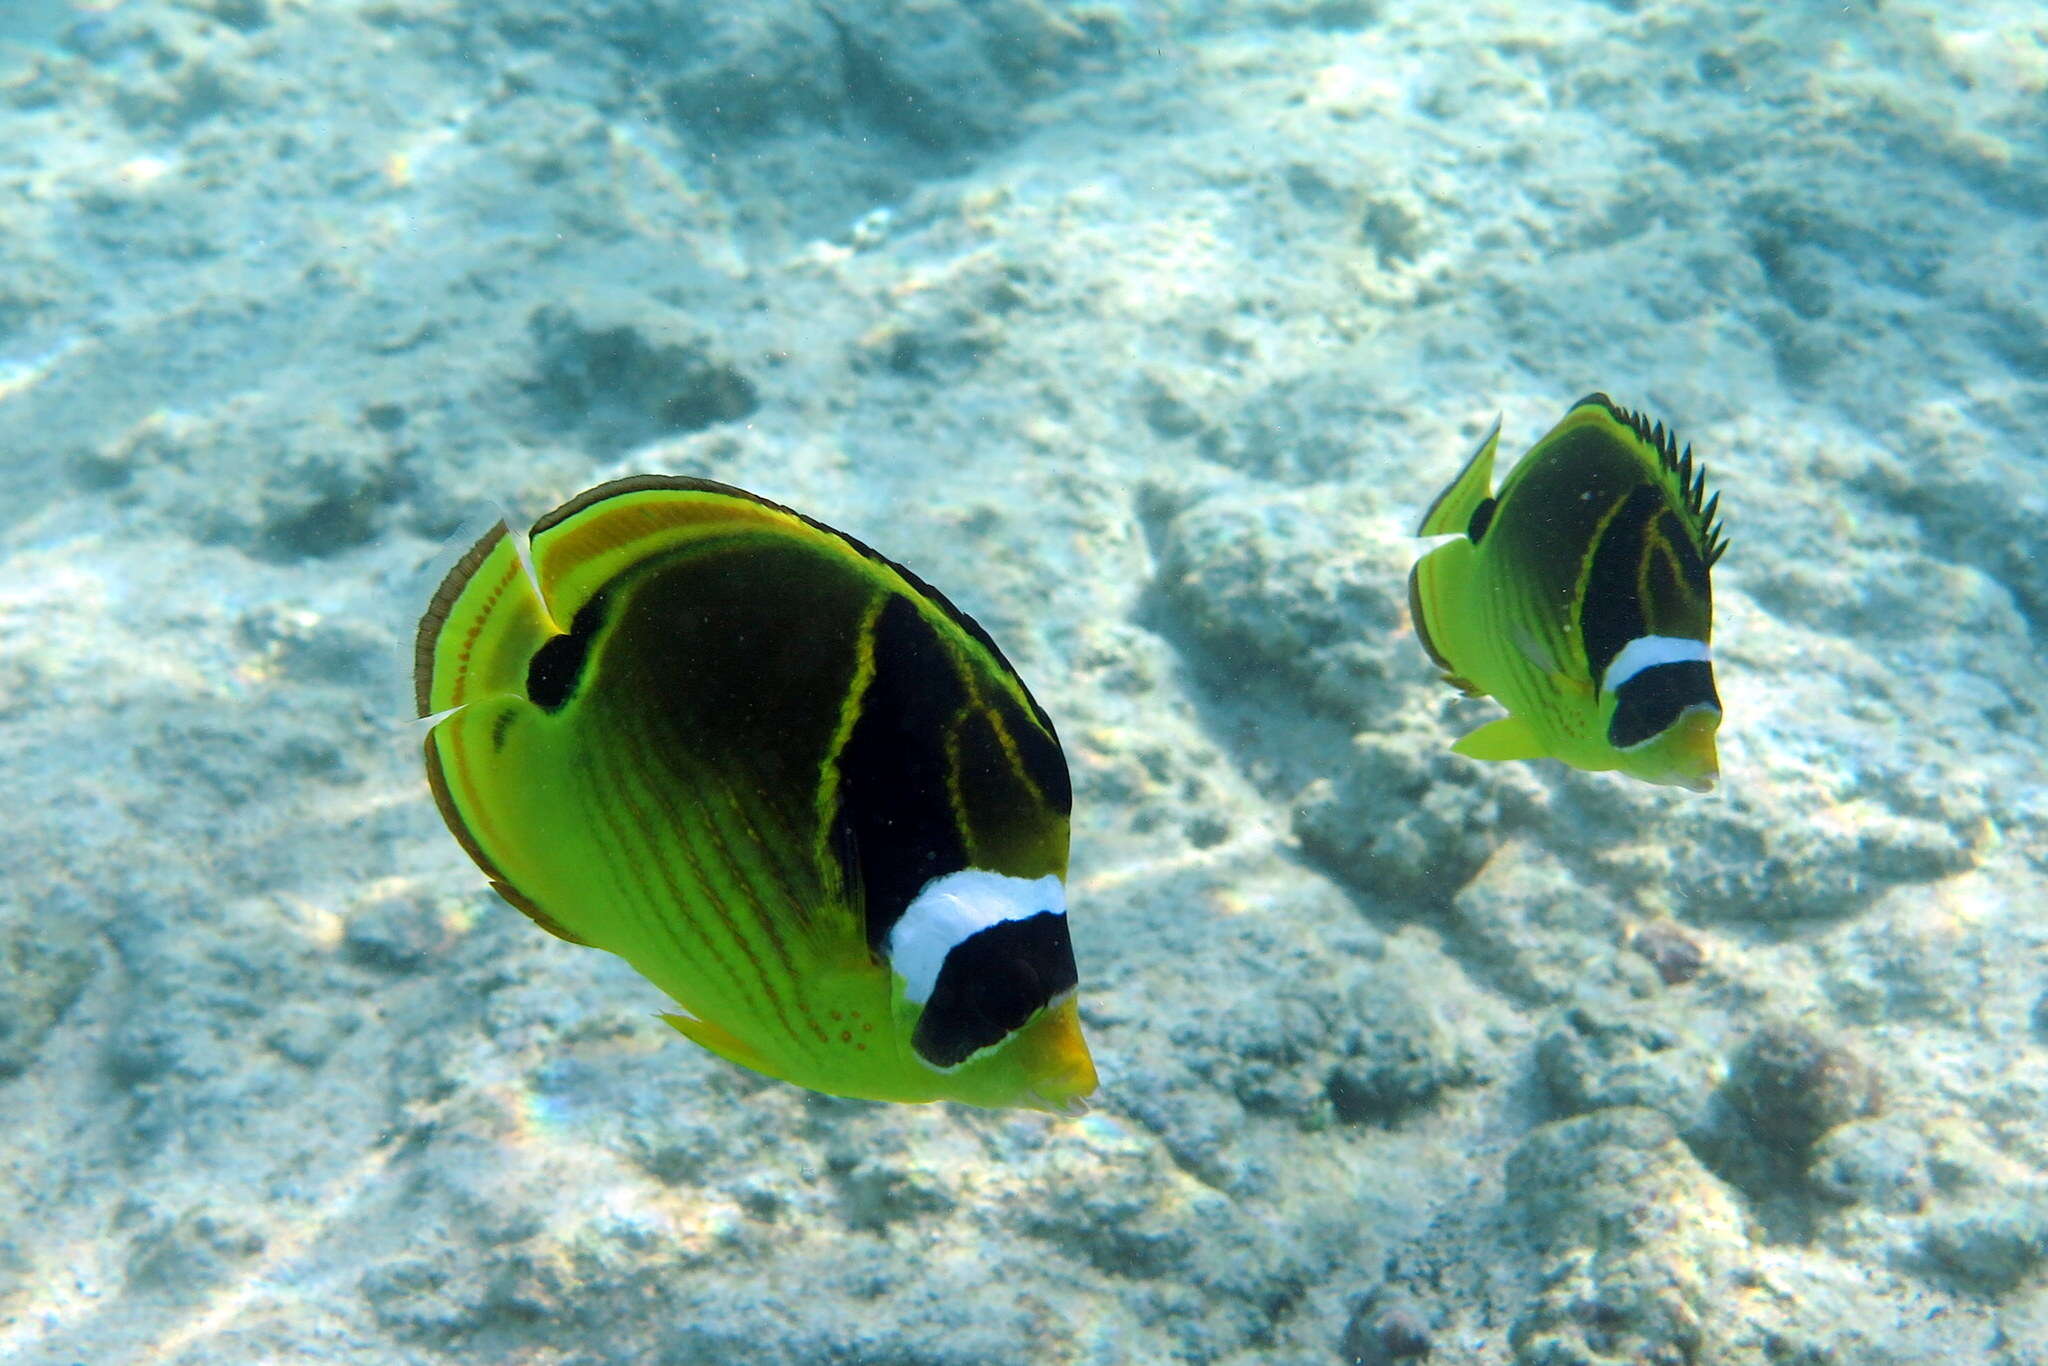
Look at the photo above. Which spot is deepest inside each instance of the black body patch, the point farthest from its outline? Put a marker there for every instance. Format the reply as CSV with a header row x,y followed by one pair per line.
x,y
896,810
991,983
1647,704
1692,481
1613,613
558,666
1671,567
988,780
1044,763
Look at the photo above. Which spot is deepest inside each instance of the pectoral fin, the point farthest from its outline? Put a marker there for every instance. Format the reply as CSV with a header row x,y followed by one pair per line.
x,y
1537,651
1508,738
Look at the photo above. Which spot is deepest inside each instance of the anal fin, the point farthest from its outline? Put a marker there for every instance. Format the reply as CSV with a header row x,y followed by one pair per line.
x,y
724,1043
1509,737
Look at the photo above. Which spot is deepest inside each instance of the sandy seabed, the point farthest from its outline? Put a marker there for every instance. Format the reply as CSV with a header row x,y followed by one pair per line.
x,y
1146,333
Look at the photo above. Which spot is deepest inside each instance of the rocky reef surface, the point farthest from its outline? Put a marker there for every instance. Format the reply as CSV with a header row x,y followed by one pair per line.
x,y
1146,331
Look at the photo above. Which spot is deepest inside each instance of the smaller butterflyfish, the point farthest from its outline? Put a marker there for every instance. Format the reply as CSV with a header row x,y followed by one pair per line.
x,y
781,776
1579,597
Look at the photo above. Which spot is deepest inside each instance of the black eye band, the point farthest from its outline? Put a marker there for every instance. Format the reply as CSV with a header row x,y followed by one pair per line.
x,y
992,982
1648,703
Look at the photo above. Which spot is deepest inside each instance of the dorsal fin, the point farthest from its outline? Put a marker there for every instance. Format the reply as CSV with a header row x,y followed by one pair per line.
x,y
1454,508
1687,483
685,483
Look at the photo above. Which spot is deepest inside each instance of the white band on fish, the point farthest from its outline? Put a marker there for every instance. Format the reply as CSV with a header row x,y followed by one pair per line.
x,y
955,908
1647,652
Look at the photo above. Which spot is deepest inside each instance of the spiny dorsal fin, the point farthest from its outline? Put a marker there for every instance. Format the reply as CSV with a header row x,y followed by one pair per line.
x,y
1688,482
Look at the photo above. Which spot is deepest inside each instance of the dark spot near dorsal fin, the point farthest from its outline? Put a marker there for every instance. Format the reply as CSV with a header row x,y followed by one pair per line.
x,y
558,666
1482,518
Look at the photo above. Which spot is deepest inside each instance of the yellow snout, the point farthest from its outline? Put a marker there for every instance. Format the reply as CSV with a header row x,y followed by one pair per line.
x,y
1684,755
1056,1059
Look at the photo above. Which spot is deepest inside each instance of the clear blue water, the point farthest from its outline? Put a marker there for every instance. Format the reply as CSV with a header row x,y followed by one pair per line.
x,y
31,26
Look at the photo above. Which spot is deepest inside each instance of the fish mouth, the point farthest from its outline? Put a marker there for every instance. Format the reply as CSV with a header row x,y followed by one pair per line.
x,y
1055,1057
1695,765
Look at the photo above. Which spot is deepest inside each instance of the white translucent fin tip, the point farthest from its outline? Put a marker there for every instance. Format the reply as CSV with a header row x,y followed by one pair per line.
x,y
522,546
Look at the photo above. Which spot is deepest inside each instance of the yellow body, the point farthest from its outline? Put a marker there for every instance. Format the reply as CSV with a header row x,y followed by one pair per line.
x,y
1600,523
681,818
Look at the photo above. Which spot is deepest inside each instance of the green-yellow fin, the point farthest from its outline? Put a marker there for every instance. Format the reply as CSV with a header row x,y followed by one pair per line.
x,y
1451,513
524,905
1507,738
724,1044
1438,578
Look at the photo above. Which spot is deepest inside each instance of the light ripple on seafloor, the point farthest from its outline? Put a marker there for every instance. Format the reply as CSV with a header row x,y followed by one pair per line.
x,y
268,1275
545,1128
18,377
1254,842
